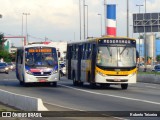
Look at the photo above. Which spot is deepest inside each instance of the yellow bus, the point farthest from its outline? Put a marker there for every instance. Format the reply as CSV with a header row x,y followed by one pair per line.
x,y
102,61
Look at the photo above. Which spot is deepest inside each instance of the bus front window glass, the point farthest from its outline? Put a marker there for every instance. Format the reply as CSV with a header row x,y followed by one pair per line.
x,y
41,58
108,56
126,56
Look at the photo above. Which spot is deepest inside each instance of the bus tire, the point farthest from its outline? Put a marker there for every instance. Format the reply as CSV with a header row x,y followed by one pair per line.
x,y
104,85
92,85
26,84
89,77
54,84
75,83
21,83
80,83
124,86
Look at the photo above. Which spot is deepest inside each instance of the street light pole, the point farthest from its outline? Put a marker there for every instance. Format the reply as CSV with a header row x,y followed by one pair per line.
x,y
139,33
105,15
80,17
26,14
87,20
84,19
127,18
100,22
22,30
145,52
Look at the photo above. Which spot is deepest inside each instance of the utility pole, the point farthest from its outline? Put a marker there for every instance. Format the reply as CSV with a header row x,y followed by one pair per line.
x,y
127,18
105,15
80,18
139,33
87,20
100,22
145,54
84,19
26,14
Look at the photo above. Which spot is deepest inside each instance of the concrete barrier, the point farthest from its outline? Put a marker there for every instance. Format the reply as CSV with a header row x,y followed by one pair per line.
x,y
22,102
149,78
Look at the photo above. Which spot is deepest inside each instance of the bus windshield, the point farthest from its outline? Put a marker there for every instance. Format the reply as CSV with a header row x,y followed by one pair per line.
x,y
116,56
41,57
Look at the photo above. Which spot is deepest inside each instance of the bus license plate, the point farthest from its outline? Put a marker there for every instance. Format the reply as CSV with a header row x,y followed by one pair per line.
x,y
42,80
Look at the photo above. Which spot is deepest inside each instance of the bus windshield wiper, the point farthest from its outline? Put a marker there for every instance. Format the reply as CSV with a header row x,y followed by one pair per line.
x,y
123,50
109,51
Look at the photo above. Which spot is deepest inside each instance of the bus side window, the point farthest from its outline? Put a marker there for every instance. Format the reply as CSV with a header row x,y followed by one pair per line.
x,y
76,53
89,51
83,51
21,57
73,52
86,51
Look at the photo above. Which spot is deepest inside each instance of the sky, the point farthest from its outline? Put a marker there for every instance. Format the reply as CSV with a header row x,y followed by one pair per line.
x,y
58,20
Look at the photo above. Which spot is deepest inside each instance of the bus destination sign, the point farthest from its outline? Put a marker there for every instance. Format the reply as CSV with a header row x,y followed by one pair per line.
x,y
116,41
43,50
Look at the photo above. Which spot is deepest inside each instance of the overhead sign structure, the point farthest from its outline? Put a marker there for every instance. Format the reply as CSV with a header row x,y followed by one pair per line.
x,y
146,22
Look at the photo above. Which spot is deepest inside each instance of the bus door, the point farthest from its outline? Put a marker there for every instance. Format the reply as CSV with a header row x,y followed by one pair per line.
x,y
93,63
79,62
69,56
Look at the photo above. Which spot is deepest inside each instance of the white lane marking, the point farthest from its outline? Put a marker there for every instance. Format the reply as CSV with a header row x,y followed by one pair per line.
x,y
9,79
127,98
121,118
150,87
80,110
63,106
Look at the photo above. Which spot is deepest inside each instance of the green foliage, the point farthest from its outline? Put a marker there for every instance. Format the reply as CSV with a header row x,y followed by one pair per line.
x,y
2,40
158,58
5,55
141,37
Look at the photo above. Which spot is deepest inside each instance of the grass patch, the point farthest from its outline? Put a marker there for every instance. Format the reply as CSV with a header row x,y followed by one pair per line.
x,y
149,72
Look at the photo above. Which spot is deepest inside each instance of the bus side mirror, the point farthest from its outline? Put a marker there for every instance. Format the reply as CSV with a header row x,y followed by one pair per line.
x,y
59,54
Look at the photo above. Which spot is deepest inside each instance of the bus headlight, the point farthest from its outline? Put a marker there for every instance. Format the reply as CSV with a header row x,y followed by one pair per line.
x,y
6,68
29,72
101,74
54,71
133,74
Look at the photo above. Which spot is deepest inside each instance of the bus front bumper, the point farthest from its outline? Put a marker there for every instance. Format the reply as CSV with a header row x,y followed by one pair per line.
x,y
116,79
31,78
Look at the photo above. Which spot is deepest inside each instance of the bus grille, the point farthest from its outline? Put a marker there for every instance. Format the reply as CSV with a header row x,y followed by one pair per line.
x,y
112,80
41,74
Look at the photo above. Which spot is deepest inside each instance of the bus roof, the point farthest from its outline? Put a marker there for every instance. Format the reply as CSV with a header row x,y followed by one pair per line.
x,y
45,44
95,39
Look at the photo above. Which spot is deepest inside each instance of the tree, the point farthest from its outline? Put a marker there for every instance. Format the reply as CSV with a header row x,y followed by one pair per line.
x,y
2,40
158,58
5,55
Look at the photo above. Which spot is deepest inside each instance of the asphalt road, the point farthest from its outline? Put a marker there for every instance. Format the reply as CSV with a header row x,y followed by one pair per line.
x,y
66,97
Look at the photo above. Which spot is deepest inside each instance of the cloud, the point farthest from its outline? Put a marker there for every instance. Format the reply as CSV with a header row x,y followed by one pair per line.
x,y
59,19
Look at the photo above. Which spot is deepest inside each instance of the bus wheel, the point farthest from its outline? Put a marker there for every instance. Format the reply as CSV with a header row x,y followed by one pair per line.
x,y
26,84
104,85
75,83
21,82
54,84
92,85
80,83
124,86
